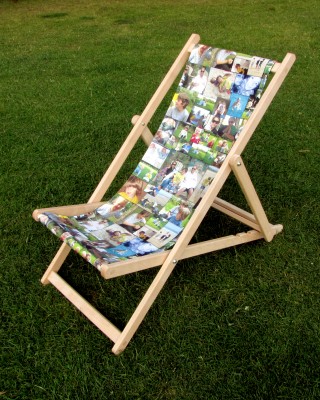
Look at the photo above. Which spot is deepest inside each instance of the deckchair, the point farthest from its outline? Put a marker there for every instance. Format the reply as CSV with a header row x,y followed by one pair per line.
x,y
221,98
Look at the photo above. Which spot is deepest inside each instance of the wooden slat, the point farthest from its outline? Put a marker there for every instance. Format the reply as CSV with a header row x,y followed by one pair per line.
x,y
86,308
71,210
251,196
114,270
235,212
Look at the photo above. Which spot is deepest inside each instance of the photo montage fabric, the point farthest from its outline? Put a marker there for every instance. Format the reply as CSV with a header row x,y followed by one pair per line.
x,y
216,96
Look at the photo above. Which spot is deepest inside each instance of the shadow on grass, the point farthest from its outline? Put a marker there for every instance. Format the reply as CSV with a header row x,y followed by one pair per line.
x,y
54,15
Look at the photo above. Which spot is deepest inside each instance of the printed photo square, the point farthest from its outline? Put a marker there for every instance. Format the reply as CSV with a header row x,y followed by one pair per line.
x,y
258,66
219,84
145,233
220,108
251,104
212,124
116,235
199,80
184,132
230,128
203,186
269,67
172,143
246,85
202,55
165,235
145,172
201,152
134,220
197,116
180,106
218,161
121,251
177,211
132,190
149,202
205,102
155,155
92,227
174,162
166,129
101,234
155,197
223,146
241,64
237,105
156,222
191,179
224,59
114,207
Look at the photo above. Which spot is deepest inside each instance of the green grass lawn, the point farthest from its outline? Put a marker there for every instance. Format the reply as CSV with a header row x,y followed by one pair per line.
x,y
243,323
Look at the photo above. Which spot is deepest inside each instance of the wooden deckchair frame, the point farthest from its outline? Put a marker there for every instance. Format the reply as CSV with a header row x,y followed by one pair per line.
x,y
257,221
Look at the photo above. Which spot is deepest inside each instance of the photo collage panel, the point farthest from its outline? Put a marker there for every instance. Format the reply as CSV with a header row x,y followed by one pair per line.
x,y
216,95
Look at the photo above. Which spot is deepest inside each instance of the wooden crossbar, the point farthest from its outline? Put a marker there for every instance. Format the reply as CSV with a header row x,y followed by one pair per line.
x,y
85,307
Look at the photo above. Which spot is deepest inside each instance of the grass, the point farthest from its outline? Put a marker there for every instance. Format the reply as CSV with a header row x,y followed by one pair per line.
x,y
242,323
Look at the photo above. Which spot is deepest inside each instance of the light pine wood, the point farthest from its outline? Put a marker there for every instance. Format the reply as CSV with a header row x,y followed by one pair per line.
x,y
251,196
168,260
56,263
235,212
146,134
85,307
68,210
115,270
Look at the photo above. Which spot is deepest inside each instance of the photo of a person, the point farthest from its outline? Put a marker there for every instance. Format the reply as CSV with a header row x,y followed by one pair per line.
x,y
198,54
178,111
219,84
185,78
184,133
155,155
222,146
117,235
135,221
112,207
224,60
178,214
132,190
199,82
190,181
212,125
229,131
172,182
220,108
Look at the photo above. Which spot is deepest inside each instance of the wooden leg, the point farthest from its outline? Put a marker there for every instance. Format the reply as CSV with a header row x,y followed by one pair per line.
x,y
86,308
251,196
56,262
144,306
